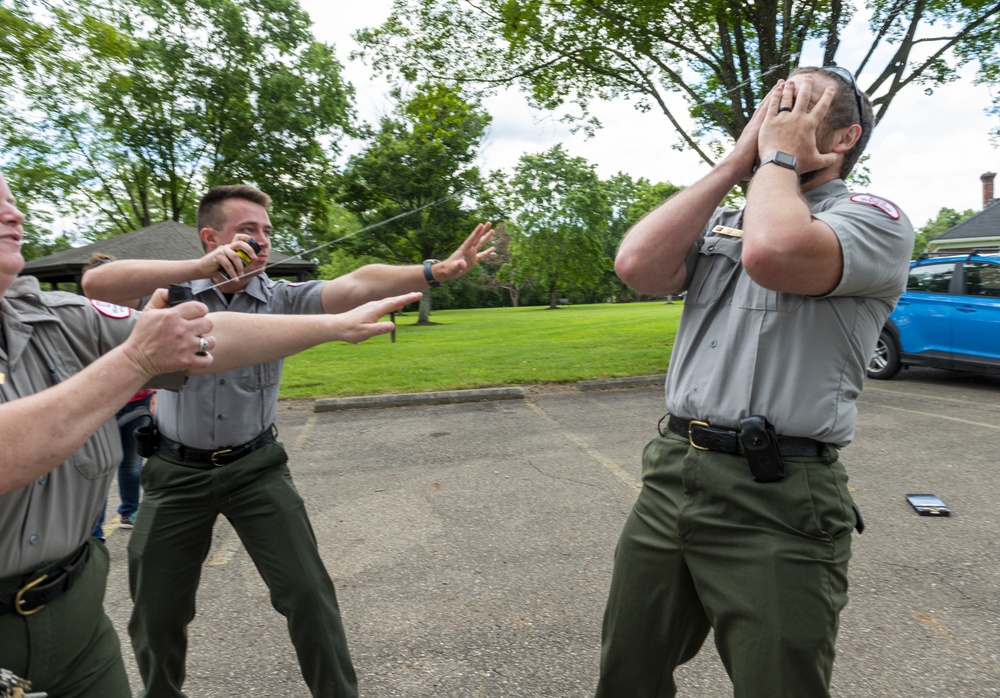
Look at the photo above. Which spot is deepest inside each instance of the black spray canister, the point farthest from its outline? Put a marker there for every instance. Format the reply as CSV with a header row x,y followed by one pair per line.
x,y
178,294
242,255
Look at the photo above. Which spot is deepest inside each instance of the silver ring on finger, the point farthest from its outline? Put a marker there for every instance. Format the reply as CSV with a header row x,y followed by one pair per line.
x,y
202,346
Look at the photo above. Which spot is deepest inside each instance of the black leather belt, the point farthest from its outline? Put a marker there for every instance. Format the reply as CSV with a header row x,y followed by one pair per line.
x,y
35,593
221,456
705,437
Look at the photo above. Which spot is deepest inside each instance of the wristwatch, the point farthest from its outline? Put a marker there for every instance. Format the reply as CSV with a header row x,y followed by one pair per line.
x,y
785,160
429,275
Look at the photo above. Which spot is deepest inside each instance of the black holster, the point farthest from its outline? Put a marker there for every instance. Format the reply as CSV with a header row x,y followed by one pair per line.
x,y
760,446
147,440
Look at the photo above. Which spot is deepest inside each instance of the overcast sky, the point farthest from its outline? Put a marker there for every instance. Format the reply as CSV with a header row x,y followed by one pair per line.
x,y
928,153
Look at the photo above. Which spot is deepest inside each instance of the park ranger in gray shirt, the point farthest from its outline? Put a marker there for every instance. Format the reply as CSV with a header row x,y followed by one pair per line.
x,y
743,525
218,452
66,366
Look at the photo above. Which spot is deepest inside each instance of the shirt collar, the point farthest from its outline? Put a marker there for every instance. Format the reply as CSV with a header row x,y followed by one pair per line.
x,y
256,289
835,188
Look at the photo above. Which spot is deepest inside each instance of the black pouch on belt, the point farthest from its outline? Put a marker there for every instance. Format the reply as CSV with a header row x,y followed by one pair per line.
x,y
147,440
760,446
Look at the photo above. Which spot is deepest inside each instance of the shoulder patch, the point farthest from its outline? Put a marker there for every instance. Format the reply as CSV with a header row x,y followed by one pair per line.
x,y
111,310
886,207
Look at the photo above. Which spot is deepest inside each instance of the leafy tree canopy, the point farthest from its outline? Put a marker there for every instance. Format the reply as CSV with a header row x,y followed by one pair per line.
x,y
413,184
946,218
149,102
721,56
561,215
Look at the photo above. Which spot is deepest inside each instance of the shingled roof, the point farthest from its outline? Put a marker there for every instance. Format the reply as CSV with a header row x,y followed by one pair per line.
x,y
978,231
166,240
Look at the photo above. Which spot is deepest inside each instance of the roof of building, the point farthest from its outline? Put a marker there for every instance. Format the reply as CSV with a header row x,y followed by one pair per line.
x,y
985,224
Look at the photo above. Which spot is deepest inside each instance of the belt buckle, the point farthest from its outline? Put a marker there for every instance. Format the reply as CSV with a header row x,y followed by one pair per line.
x,y
19,598
696,423
220,452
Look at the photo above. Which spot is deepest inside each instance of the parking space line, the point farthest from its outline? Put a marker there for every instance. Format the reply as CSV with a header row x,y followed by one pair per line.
x,y
608,464
938,416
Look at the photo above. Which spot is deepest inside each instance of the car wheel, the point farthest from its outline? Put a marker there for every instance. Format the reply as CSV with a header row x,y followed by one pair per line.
x,y
885,360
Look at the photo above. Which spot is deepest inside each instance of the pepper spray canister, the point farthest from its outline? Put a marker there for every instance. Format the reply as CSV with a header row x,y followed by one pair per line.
x,y
178,294
242,255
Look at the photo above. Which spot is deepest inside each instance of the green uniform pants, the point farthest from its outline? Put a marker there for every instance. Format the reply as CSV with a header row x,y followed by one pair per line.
x,y
764,565
69,648
172,537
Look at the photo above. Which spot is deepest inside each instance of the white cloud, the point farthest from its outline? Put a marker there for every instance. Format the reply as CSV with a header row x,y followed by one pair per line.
x,y
927,153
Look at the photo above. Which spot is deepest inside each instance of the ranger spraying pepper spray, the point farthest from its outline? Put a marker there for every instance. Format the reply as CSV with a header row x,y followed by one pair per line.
x,y
178,294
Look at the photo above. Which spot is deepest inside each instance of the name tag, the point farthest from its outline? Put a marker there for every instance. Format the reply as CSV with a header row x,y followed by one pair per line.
x,y
728,232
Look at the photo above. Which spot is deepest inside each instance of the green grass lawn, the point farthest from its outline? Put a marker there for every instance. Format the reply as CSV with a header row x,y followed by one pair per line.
x,y
492,347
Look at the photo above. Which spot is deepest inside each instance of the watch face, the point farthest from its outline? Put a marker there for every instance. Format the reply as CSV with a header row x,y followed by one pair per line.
x,y
785,160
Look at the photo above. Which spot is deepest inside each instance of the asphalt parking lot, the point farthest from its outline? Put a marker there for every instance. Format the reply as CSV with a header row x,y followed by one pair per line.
x,y
471,545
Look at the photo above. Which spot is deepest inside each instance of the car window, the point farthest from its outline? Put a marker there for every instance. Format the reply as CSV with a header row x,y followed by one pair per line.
x,y
931,278
982,279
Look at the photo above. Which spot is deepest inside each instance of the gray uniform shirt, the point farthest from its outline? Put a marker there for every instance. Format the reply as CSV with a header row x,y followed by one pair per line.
x,y
49,336
742,349
231,408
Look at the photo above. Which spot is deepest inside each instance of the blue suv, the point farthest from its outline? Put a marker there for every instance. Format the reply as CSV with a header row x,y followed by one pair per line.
x,y
949,317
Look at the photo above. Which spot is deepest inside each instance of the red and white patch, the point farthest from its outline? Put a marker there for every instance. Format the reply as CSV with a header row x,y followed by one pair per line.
x,y
886,207
111,310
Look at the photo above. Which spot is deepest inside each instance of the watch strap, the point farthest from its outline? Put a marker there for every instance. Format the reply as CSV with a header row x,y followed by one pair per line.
x,y
429,275
786,160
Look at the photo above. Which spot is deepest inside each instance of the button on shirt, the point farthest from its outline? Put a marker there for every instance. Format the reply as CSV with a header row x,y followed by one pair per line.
x,y
742,349
231,408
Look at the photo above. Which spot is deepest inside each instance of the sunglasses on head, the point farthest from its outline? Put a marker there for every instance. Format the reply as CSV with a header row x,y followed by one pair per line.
x,y
845,75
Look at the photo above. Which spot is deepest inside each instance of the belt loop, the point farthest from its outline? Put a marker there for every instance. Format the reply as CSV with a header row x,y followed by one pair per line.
x,y
659,424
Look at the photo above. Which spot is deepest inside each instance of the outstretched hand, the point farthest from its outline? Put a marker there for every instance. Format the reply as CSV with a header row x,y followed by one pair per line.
x,y
467,254
363,322
165,339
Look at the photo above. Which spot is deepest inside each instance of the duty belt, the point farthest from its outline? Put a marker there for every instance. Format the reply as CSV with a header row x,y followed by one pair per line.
x,y
705,437
221,456
32,596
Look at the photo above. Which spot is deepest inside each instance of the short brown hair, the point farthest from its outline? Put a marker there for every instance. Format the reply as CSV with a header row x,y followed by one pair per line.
x,y
210,207
96,260
844,112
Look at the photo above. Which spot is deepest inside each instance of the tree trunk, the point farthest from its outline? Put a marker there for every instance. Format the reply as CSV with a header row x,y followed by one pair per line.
x,y
425,309
552,298
515,295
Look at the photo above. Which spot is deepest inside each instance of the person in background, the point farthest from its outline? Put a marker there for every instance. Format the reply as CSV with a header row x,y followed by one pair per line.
x,y
67,365
137,413
743,524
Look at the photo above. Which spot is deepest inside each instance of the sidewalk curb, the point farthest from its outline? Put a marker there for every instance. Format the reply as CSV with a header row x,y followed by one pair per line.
x,y
627,382
441,397
448,397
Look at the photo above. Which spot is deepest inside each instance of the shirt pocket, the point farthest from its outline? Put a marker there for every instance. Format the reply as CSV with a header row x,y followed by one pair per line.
x,y
718,265
101,453
260,376
752,296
